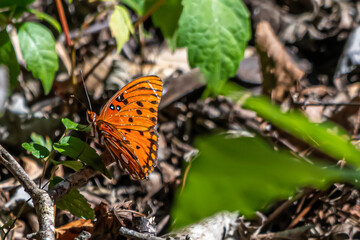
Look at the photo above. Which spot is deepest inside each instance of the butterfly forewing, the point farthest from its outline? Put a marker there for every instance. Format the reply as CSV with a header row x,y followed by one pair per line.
x,y
127,126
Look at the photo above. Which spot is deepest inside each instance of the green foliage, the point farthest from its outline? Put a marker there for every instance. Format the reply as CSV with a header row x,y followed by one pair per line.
x,y
327,137
120,26
37,46
70,125
166,17
36,150
216,34
37,138
74,165
17,3
8,58
245,174
46,17
76,149
73,202
136,5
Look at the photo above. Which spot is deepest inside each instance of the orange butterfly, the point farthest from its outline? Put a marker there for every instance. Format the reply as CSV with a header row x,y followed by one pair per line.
x,y
126,126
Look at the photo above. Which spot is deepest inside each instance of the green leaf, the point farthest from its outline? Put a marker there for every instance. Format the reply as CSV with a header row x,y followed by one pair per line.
x,y
36,150
76,149
70,125
73,202
327,137
37,46
46,17
120,26
18,3
37,138
249,173
166,17
136,5
74,165
8,58
216,34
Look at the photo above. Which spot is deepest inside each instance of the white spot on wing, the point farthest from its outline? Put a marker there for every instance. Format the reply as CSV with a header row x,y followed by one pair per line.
x,y
124,158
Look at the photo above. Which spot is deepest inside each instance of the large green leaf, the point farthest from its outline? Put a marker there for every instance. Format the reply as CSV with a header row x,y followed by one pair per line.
x,y
327,137
166,17
136,5
37,46
245,174
76,149
120,26
216,34
73,202
8,57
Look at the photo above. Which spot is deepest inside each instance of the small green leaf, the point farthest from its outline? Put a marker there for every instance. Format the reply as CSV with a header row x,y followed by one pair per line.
x,y
17,3
70,125
216,33
120,26
46,17
37,46
8,58
74,165
250,173
37,138
36,150
76,149
73,202
136,5
166,17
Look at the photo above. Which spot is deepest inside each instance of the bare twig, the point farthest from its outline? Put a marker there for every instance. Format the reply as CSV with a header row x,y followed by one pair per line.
x,y
43,204
137,235
63,22
73,181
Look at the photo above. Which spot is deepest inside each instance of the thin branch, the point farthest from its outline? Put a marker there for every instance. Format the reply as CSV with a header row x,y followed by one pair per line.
x,y
137,235
43,204
63,22
75,180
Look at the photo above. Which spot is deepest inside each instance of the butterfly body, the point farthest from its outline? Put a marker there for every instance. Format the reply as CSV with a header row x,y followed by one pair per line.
x,y
126,126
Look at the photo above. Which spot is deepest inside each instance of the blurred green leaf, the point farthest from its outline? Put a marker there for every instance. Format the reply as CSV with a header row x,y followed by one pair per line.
x,y
46,17
36,150
70,125
74,165
73,202
9,3
37,138
76,149
327,137
8,58
166,17
120,26
136,5
216,33
37,46
245,174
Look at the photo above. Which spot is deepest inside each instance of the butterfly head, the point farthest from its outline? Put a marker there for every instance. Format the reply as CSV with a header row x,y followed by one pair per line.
x,y
91,117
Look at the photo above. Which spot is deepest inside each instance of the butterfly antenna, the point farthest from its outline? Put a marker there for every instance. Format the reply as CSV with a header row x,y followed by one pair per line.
x,y
86,91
